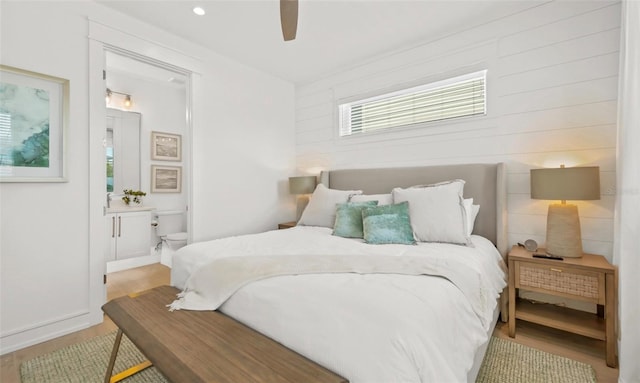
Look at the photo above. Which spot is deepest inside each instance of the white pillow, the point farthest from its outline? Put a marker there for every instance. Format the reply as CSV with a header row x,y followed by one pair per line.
x,y
475,209
471,212
436,211
383,199
321,210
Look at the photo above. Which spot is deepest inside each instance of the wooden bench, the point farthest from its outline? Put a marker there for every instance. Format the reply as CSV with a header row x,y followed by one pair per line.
x,y
203,346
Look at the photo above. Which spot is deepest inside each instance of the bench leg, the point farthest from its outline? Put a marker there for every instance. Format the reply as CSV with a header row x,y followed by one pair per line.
x,y
108,378
114,354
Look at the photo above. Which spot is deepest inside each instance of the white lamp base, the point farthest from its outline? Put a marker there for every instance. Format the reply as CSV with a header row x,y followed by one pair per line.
x,y
563,231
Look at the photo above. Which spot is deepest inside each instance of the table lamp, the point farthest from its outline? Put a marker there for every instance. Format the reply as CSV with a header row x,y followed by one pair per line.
x,y
302,186
563,223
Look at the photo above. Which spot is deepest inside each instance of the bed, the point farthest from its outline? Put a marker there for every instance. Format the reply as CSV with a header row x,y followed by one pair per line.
x,y
371,313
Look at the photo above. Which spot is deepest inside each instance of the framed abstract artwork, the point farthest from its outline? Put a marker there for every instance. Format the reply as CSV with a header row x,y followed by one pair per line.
x,y
166,179
166,146
34,112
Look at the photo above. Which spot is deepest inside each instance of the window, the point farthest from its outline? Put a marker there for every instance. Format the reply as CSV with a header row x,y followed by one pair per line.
x,y
460,96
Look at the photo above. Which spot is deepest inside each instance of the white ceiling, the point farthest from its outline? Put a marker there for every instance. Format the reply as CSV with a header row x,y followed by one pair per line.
x,y
332,34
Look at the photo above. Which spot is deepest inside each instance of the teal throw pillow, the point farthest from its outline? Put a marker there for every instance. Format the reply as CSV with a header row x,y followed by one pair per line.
x,y
387,224
349,218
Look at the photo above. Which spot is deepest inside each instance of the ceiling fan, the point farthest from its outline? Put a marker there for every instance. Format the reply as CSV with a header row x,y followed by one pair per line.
x,y
289,18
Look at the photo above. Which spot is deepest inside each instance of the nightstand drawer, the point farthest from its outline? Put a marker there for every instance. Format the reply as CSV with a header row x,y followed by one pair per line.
x,y
581,284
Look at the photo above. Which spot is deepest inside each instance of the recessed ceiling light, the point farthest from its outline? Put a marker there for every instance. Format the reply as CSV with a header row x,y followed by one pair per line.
x,y
199,11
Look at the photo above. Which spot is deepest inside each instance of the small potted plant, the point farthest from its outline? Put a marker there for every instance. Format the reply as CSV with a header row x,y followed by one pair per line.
x,y
134,196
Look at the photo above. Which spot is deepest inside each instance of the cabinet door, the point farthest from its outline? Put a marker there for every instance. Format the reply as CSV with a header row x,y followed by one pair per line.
x,y
110,237
133,236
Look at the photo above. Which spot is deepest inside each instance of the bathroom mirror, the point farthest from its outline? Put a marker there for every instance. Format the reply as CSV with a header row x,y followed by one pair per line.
x,y
123,150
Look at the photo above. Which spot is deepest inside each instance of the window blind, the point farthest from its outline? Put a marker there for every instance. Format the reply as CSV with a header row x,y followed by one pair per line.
x,y
460,96
6,143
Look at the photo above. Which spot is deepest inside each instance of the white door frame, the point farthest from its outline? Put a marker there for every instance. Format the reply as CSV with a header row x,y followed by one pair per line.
x,y
101,39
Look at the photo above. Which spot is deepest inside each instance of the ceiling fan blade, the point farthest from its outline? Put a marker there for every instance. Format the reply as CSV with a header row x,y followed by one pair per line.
x,y
289,18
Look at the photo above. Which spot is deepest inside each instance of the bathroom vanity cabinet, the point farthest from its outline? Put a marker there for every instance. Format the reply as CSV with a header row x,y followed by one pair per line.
x,y
128,235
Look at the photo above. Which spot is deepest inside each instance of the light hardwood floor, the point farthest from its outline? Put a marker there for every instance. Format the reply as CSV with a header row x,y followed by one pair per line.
x,y
142,278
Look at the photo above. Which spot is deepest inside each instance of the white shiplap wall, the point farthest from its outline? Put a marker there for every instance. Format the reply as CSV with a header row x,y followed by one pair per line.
x,y
552,88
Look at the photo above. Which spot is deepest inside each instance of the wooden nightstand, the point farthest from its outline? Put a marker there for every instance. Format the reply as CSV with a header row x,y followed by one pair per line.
x,y
590,279
287,225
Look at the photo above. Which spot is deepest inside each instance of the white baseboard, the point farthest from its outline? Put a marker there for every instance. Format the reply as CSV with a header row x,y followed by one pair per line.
x,y
31,336
130,263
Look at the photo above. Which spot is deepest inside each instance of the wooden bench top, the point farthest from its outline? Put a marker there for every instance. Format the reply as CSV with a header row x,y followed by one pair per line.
x,y
207,346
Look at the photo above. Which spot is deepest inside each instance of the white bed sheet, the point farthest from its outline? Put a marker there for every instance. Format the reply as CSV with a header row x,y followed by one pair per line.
x,y
365,327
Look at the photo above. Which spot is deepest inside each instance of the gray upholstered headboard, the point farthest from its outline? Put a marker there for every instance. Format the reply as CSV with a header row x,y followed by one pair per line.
x,y
485,183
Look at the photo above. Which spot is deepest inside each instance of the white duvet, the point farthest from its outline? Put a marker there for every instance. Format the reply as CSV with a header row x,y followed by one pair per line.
x,y
368,325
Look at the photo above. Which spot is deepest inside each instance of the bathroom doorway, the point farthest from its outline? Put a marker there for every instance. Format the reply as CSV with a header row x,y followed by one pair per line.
x,y
146,128
159,90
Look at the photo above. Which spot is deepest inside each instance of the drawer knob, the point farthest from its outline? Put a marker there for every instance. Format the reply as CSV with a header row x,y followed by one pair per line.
x,y
556,270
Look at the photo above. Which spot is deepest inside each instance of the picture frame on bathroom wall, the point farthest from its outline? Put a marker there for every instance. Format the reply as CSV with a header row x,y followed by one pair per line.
x,y
34,113
166,146
166,179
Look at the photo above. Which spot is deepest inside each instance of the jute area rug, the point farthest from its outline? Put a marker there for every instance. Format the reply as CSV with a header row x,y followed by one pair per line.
x,y
507,362
86,362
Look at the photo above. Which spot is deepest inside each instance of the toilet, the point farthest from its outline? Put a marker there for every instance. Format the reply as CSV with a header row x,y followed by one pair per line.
x,y
170,228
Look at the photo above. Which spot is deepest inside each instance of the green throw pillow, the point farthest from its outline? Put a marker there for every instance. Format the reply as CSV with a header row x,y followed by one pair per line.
x,y
387,224
349,218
